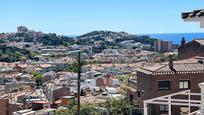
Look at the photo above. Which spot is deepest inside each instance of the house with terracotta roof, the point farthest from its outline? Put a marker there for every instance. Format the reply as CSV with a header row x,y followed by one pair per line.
x,y
164,79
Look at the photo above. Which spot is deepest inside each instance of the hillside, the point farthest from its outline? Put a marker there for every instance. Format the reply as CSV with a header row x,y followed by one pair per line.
x,y
13,54
114,37
47,39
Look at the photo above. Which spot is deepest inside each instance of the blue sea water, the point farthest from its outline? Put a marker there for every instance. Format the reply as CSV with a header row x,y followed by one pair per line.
x,y
176,37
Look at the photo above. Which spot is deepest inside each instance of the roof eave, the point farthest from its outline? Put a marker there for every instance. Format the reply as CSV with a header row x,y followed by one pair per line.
x,y
193,19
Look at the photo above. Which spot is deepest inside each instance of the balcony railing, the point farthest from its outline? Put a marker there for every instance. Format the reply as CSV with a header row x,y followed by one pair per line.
x,y
132,82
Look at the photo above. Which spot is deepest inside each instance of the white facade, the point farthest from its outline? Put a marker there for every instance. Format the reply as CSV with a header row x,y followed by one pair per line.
x,y
89,83
201,112
115,82
111,90
196,19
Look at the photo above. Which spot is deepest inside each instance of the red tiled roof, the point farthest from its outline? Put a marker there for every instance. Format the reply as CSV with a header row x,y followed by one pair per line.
x,y
181,66
200,41
42,102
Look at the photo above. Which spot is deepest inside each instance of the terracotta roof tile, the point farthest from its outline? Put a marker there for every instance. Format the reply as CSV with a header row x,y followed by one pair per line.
x,y
190,65
195,13
200,41
183,67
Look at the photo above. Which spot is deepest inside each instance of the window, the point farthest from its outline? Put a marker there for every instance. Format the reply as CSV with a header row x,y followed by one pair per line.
x,y
184,84
138,94
131,97
163,108
164,85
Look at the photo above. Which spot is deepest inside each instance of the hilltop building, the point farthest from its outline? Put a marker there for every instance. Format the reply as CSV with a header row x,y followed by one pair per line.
x,y
22,29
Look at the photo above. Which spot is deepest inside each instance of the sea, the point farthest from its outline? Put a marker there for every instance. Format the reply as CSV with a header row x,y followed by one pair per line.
x,y
176,37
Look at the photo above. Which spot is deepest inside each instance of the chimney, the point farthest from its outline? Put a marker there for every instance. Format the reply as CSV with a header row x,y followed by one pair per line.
x,y
183,41
171,64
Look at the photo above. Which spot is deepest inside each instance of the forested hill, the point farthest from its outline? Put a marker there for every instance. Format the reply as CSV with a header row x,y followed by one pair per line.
x,y
114,37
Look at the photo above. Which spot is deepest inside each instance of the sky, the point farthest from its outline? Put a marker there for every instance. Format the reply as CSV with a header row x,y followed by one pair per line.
x,y
75,17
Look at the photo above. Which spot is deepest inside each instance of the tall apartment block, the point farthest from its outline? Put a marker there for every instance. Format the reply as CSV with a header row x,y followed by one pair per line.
x,y
163,46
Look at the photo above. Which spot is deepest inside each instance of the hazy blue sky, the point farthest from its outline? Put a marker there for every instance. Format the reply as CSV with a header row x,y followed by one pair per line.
x,y
80,16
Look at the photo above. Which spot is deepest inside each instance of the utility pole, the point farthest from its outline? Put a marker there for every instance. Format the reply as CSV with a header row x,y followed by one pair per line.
x,y
78,84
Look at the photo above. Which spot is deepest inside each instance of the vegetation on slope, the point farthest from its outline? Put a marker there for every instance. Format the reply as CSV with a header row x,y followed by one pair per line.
x,y
13,54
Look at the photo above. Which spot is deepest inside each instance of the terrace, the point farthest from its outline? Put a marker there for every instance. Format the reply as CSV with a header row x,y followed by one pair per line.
x,y
175,100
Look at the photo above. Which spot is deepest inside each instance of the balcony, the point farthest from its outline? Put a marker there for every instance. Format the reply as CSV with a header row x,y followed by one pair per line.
x,y
132,82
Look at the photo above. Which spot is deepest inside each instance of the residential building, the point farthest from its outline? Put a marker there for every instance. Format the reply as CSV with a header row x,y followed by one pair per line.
x,y
46,111
59,92
164,79
65,100
175,99
107,80
6,108
54,92
49,76
1,90
196,16
2,80
195,47
89,83
3,104
191,49
163,46
38,105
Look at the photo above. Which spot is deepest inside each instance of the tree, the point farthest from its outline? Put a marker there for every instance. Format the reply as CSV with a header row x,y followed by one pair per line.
x,y
118,107
38,78
111,106
89,109
12,54
122,77
62,111
74,66
123,88
86,109
23,58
